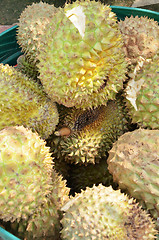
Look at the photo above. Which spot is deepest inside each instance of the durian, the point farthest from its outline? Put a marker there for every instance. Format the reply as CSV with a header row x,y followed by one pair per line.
x,y
141,38
25,172
31,26
81,61
31,191
28,68
134,163
92,132
103,213
142,95
44,223
81,176
23,102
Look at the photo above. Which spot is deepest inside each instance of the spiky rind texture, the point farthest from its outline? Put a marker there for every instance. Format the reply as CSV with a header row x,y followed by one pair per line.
x,y
32,23
23,102
91,67
27,67
103,213
25,170
59,191
133,162
141,37
92,132
60,165
81,176
142,95
45,221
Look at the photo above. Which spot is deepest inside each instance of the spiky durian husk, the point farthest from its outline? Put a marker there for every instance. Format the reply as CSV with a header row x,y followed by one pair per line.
x,y
60,191
44,223
103,213
133,162
141,37
92,132
23,102
81,176
89,61
60,165
32,23
25,170
142,95
26,67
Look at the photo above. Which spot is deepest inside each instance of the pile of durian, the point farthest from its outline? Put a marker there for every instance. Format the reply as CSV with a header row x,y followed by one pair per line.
x,y
79,126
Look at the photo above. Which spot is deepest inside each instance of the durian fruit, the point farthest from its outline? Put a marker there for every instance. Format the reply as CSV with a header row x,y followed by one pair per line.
x,y
103,213
44,223
23,102
134,163
31,26
81,176
28,68
141,38
81,61
142,96
25,172
31,191
84,136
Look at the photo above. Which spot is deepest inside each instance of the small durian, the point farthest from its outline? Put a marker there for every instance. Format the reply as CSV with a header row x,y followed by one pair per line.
x,y
31,26
31,191
134,163
84,136
81,60
23,102
28,68
103,213
142,95
44,223
81,176
141,38
25,172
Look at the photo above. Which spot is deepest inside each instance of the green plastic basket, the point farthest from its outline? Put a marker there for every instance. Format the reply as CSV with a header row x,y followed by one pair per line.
x,y
9,48
4,235
10,51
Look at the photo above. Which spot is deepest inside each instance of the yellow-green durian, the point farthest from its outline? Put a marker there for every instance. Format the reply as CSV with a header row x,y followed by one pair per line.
x,y
142,95
81,176
83,136
25,172
27,67
44,223
141,38
103,213
23,102
31,26
134,163
81,60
